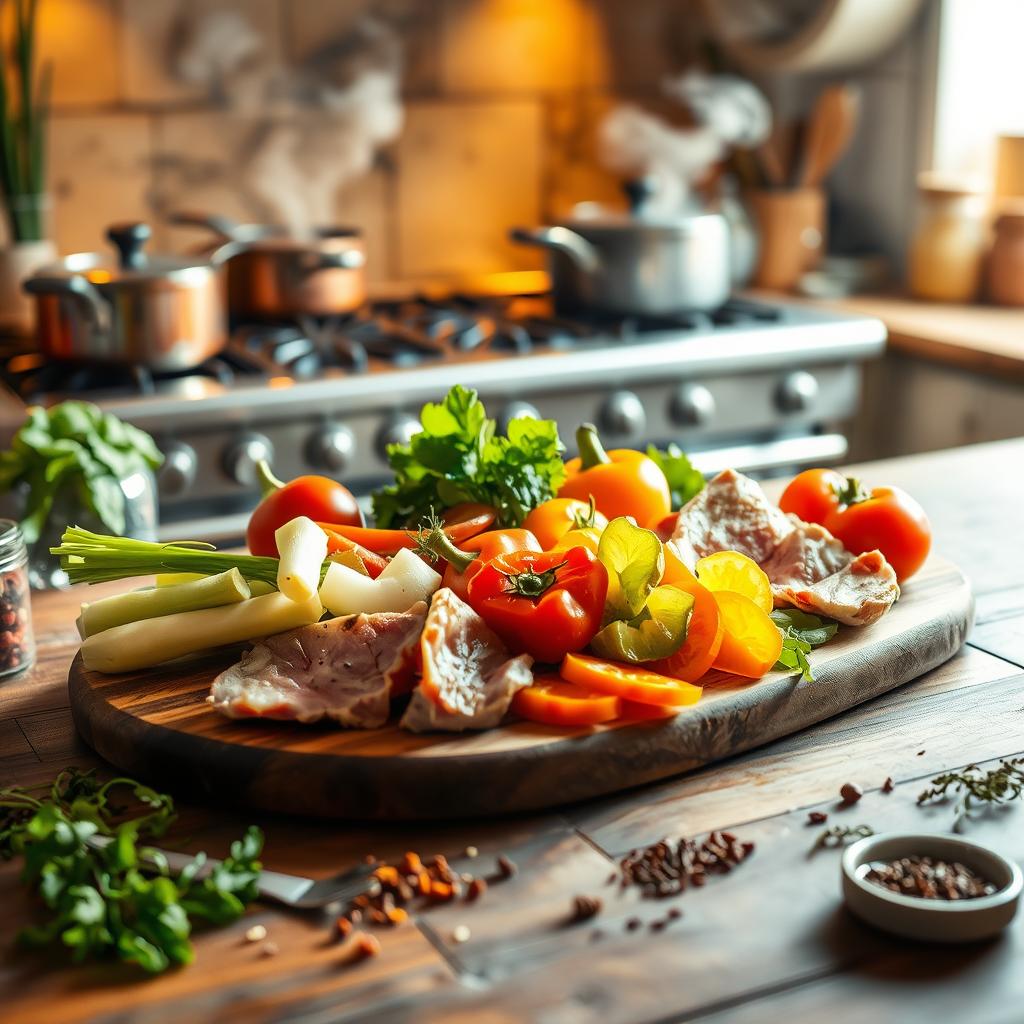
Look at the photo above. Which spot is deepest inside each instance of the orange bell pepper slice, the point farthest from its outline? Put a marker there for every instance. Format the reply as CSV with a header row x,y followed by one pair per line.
x,y
553,701
752,642
631,682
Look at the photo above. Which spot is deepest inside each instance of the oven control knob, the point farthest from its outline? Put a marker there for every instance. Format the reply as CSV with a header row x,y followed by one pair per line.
x,y
623,413
398,430
517,411
241,457
693,405
797,392
331,447
178,473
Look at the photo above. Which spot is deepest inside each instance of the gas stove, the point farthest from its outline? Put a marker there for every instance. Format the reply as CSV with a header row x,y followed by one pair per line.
x,y
763,387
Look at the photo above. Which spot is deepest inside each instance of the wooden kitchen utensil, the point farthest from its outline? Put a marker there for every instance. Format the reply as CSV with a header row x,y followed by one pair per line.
x,y
830,129
792,228
156,725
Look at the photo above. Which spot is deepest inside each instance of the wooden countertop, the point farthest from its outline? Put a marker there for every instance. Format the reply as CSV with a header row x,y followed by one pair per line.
x,y
769,942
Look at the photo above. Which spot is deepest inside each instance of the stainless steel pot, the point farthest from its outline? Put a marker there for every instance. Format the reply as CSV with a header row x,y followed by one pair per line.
x,y
157,312
273,277
632,263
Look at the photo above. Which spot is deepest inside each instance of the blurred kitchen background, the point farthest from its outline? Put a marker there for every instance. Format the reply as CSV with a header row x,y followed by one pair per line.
x,y
873,172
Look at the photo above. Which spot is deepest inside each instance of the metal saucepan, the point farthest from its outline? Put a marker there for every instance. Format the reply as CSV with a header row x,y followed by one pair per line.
x,y
273,277
636,263
158,312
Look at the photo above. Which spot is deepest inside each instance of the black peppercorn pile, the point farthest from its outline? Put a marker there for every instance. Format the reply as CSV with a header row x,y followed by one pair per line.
x,y
930,879
667,868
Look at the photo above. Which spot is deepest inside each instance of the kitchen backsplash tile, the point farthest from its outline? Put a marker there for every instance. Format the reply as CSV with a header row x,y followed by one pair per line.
x,y
79,38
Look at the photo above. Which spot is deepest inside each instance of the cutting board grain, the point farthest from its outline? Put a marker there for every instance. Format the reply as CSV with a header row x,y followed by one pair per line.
x,y
156,725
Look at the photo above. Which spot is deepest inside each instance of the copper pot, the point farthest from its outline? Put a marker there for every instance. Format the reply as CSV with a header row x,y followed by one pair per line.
x,y
158,312
273,277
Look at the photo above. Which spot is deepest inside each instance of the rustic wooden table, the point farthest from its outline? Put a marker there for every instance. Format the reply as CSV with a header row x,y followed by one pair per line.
x,y
769,942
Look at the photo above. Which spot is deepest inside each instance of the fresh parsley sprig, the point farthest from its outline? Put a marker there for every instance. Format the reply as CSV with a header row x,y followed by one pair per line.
x,y
118,899
801,633
684,480
973,785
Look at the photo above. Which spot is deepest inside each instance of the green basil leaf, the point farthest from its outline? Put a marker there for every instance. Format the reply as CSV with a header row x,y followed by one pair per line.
x,y
635,560
657,632
684,481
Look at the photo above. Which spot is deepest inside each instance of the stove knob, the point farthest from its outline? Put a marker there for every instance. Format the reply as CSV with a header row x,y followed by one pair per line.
x,y
332,447
623,413
797,392
398,430
693,405
178,473
517,411
240,459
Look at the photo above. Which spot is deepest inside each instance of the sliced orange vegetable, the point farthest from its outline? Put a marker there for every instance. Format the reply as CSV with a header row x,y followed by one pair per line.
x,y
631,682
635,712
705,630
752,642
553,701
729,570
389,542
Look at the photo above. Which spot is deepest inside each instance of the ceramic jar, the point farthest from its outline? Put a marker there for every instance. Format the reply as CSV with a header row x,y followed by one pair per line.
x,y
945,259
1005,278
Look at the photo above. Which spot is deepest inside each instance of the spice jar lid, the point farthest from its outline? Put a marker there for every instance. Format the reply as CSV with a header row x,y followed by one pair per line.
x,y
931,920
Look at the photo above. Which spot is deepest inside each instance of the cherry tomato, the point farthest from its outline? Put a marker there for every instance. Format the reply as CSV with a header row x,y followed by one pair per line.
x,y
631,682
890,520
813,495
553,701
485,546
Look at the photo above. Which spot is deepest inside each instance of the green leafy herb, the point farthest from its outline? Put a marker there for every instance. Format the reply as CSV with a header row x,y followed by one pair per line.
x,y
75,445
801,632
684,480
118,899
642,621
458,456
972,786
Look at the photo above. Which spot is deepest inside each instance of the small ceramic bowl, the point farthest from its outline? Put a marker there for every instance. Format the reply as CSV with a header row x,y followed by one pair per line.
x,y
931,920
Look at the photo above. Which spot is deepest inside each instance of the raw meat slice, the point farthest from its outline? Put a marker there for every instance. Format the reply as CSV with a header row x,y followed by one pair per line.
x,y
858,594
731,514
344,669
805,556
468,678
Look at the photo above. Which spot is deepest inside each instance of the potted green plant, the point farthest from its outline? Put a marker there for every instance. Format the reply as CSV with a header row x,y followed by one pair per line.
x,y
74,464
24,101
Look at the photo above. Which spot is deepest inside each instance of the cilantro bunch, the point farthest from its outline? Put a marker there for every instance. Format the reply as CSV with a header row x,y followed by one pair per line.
x,y
118,899
801,632
459,456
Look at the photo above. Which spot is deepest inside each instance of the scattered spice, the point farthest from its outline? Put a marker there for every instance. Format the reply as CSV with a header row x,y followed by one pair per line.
x,y
930,879
837,835
974,786
360,946
461,933
633,923
674,914
667,869
584,908
477,887
658,924
888,786
343,926
613,877
471,851
817,818
506,867
270,949
257,933
850,793
920,753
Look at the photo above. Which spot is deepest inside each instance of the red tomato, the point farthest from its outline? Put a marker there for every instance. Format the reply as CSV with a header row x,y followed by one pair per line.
x,y
813,495
890,520
485,546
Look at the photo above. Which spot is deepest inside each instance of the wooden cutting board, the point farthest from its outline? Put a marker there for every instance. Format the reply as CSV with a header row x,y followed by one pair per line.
x,y
155,725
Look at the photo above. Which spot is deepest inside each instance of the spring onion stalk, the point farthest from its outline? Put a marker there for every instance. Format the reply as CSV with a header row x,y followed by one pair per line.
x,y
138,645
95,558
205,592
172,579
302,546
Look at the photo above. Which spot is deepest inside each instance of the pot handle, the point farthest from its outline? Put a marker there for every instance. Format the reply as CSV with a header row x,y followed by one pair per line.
x,y
77,288
562,240
344,259
225,227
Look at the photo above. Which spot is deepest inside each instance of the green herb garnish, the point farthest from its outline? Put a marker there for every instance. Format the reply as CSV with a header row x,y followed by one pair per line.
x,y
119,899
801,632
972,786
75,445
458,456
684,481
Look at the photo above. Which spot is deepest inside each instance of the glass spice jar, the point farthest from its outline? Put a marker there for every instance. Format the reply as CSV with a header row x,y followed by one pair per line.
x,y
17,644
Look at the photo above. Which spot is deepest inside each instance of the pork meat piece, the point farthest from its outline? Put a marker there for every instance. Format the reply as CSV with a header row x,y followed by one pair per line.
x,y
807,555
344,669
858,594
731,514
468,678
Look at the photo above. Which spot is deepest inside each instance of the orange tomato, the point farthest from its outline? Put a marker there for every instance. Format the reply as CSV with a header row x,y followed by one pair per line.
x,y
623,482
752,643
813,494
704,632
551,520
553,701
631,682
889,520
